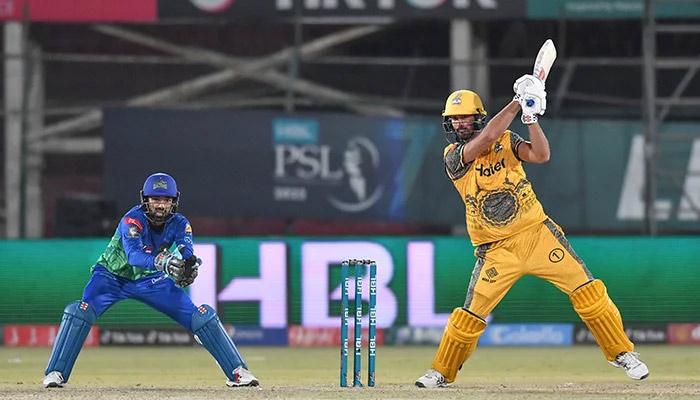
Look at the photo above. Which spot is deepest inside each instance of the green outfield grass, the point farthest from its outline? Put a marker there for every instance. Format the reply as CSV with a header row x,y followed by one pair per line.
x,y
492,373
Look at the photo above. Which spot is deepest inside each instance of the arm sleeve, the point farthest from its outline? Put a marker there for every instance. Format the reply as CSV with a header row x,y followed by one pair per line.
x,y
454,164
515,141
131,230
183,236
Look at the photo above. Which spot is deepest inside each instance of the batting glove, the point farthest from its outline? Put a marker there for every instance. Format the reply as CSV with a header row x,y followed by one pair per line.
x,y
528,119
526,83
533,101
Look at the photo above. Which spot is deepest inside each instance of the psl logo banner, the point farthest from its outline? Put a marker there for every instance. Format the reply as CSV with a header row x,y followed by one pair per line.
x,y
347,175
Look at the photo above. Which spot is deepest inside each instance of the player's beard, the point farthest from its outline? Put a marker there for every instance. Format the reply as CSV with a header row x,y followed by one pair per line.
x,y
159,214
466,134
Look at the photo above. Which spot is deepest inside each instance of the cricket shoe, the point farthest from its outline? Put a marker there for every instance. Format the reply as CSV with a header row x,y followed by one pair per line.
x,y
630,362
242,377
432,379
53,379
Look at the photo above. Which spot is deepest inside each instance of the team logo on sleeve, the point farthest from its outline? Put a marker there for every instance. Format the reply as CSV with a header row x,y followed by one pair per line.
x,y
188,229
134,231
133,221
134,227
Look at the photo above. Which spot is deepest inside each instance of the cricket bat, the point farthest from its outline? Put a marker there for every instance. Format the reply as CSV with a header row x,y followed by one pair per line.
x,y
543,63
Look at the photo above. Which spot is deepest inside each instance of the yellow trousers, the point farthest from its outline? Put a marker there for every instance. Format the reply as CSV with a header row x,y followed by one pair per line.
x,y
541,251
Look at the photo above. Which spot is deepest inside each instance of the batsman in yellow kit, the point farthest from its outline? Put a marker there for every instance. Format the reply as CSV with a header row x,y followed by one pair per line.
x,y
512,234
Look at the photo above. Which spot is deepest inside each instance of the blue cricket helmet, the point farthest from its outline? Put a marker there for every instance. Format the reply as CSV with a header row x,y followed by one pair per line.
x,y
159,185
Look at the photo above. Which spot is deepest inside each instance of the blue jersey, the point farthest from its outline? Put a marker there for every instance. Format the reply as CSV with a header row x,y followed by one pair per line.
x,y
135,244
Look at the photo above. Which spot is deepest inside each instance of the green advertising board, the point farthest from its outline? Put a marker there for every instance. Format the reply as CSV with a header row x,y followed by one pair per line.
x,y
608,9
276,282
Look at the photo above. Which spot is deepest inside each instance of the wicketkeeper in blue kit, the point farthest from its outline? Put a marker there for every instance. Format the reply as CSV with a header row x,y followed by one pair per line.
x,y
138,264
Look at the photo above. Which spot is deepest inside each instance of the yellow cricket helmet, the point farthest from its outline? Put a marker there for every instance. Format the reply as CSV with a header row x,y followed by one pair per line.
x,y
463,102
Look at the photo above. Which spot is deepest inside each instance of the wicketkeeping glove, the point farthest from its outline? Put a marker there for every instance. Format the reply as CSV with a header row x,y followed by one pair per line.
x,y
170,263
190,273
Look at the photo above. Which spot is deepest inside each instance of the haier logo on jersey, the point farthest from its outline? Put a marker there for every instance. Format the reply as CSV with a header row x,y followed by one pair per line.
x,y
491,169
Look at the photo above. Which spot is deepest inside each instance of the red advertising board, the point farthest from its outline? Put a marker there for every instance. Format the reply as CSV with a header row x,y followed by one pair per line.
x,y
79,10
684,333
253,10
41,336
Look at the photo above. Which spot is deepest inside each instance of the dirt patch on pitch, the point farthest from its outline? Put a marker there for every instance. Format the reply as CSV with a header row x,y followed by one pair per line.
x,y
636,391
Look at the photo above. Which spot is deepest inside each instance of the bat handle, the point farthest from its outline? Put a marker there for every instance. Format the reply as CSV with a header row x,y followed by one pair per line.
x,y
529,102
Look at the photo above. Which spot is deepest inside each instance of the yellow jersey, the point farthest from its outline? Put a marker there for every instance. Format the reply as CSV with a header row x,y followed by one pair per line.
x,y
498,199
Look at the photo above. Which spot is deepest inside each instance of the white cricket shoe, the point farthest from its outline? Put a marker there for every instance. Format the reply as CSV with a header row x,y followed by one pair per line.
x,y
432,379
630,362
242,377
53,379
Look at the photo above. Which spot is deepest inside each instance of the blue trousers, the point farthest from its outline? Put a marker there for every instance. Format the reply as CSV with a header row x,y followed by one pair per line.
x,y
158,291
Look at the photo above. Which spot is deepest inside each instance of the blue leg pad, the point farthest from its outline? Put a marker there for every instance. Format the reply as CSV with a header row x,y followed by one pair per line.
x,y
77,320
208,328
